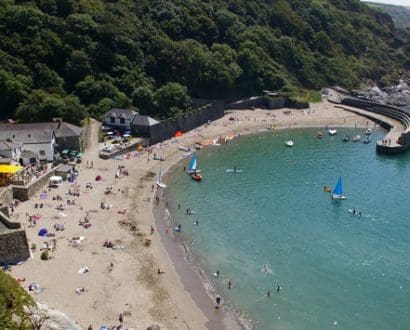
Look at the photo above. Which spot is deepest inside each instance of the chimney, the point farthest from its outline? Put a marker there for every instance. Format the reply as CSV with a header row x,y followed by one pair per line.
x,y
58,120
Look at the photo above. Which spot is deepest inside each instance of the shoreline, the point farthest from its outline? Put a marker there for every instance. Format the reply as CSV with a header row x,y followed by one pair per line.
x,y
191,274
174,299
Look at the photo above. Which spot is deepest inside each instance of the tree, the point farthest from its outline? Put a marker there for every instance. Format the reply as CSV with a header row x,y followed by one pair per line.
x,y
143,99
172,96
13,89
41,106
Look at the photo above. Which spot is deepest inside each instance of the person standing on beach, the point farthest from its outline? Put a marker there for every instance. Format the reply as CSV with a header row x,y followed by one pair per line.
x,y
229,284
218,301
278,288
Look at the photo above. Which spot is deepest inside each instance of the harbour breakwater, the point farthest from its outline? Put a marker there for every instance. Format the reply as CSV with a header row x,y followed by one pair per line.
x,y
401,140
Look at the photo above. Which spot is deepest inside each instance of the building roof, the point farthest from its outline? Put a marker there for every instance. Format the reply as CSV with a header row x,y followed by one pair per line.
x,y
121,113
28,154
140,120
28,136
61,129
5,146
4,160
65,129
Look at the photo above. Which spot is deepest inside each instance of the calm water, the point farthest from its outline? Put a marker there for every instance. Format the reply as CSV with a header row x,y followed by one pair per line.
x,y
336,270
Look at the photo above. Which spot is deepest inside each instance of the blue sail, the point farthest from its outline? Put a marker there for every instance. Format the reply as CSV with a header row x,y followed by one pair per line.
x,y
192,164
338,189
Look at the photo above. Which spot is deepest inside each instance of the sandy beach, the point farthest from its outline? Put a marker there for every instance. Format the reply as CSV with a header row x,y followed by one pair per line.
x,y
93,284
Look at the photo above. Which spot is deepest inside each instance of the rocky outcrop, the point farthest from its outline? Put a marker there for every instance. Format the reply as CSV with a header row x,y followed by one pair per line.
x,y
397,95
44,318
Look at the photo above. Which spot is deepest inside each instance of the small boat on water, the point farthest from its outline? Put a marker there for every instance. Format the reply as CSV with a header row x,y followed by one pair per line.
x,y
346,138
367,139
193,165
196,176
289,143
332,131
356,138
319,135
337,193
159,183
368,131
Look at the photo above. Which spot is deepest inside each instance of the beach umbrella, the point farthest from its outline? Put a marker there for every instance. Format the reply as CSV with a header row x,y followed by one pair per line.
x,y
126,135
110,133
43,232
178,133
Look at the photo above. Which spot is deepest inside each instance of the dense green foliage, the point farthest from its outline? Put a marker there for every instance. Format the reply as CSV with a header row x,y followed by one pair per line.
x,y
73,58
13,298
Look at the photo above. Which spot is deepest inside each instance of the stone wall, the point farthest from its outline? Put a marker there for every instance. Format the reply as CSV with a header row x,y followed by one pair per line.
x,y
186,122
132,147
6,221
14,247
24,193
267,102
6,196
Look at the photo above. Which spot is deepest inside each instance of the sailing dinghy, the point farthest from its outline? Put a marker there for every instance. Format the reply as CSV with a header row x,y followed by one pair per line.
x,y
192,165
337,193
159,183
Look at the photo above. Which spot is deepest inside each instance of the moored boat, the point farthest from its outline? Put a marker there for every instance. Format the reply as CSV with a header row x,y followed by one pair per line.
x,y
332,131
289,143
196,176
368,131
356,138
346,138
193,165
367,139
319,135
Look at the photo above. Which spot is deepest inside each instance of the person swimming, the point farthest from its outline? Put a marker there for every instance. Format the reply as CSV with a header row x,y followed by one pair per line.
x,y
196,222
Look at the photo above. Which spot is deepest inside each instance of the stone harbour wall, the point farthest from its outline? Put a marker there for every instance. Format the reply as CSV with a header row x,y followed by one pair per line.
x,y
14,247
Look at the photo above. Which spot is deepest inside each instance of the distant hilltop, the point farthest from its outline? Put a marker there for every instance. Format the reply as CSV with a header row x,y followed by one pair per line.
x,y
400,14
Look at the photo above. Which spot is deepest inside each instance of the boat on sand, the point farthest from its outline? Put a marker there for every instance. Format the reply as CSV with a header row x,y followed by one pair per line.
x,y
159,182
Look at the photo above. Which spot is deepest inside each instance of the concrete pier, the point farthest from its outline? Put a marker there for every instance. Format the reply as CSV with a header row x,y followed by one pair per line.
x,y
394,119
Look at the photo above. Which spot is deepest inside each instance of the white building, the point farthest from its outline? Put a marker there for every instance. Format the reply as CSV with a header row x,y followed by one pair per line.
x,y
40,142
11,150
119,118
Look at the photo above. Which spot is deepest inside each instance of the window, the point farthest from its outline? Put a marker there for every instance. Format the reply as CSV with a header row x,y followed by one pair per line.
x,y
42,152
122,120
112,120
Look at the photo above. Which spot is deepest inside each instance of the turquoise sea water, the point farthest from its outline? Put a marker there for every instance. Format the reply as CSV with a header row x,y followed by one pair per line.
x,y
336,270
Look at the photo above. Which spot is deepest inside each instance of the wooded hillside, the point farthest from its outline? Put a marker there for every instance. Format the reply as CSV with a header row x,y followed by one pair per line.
x,y
74,58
